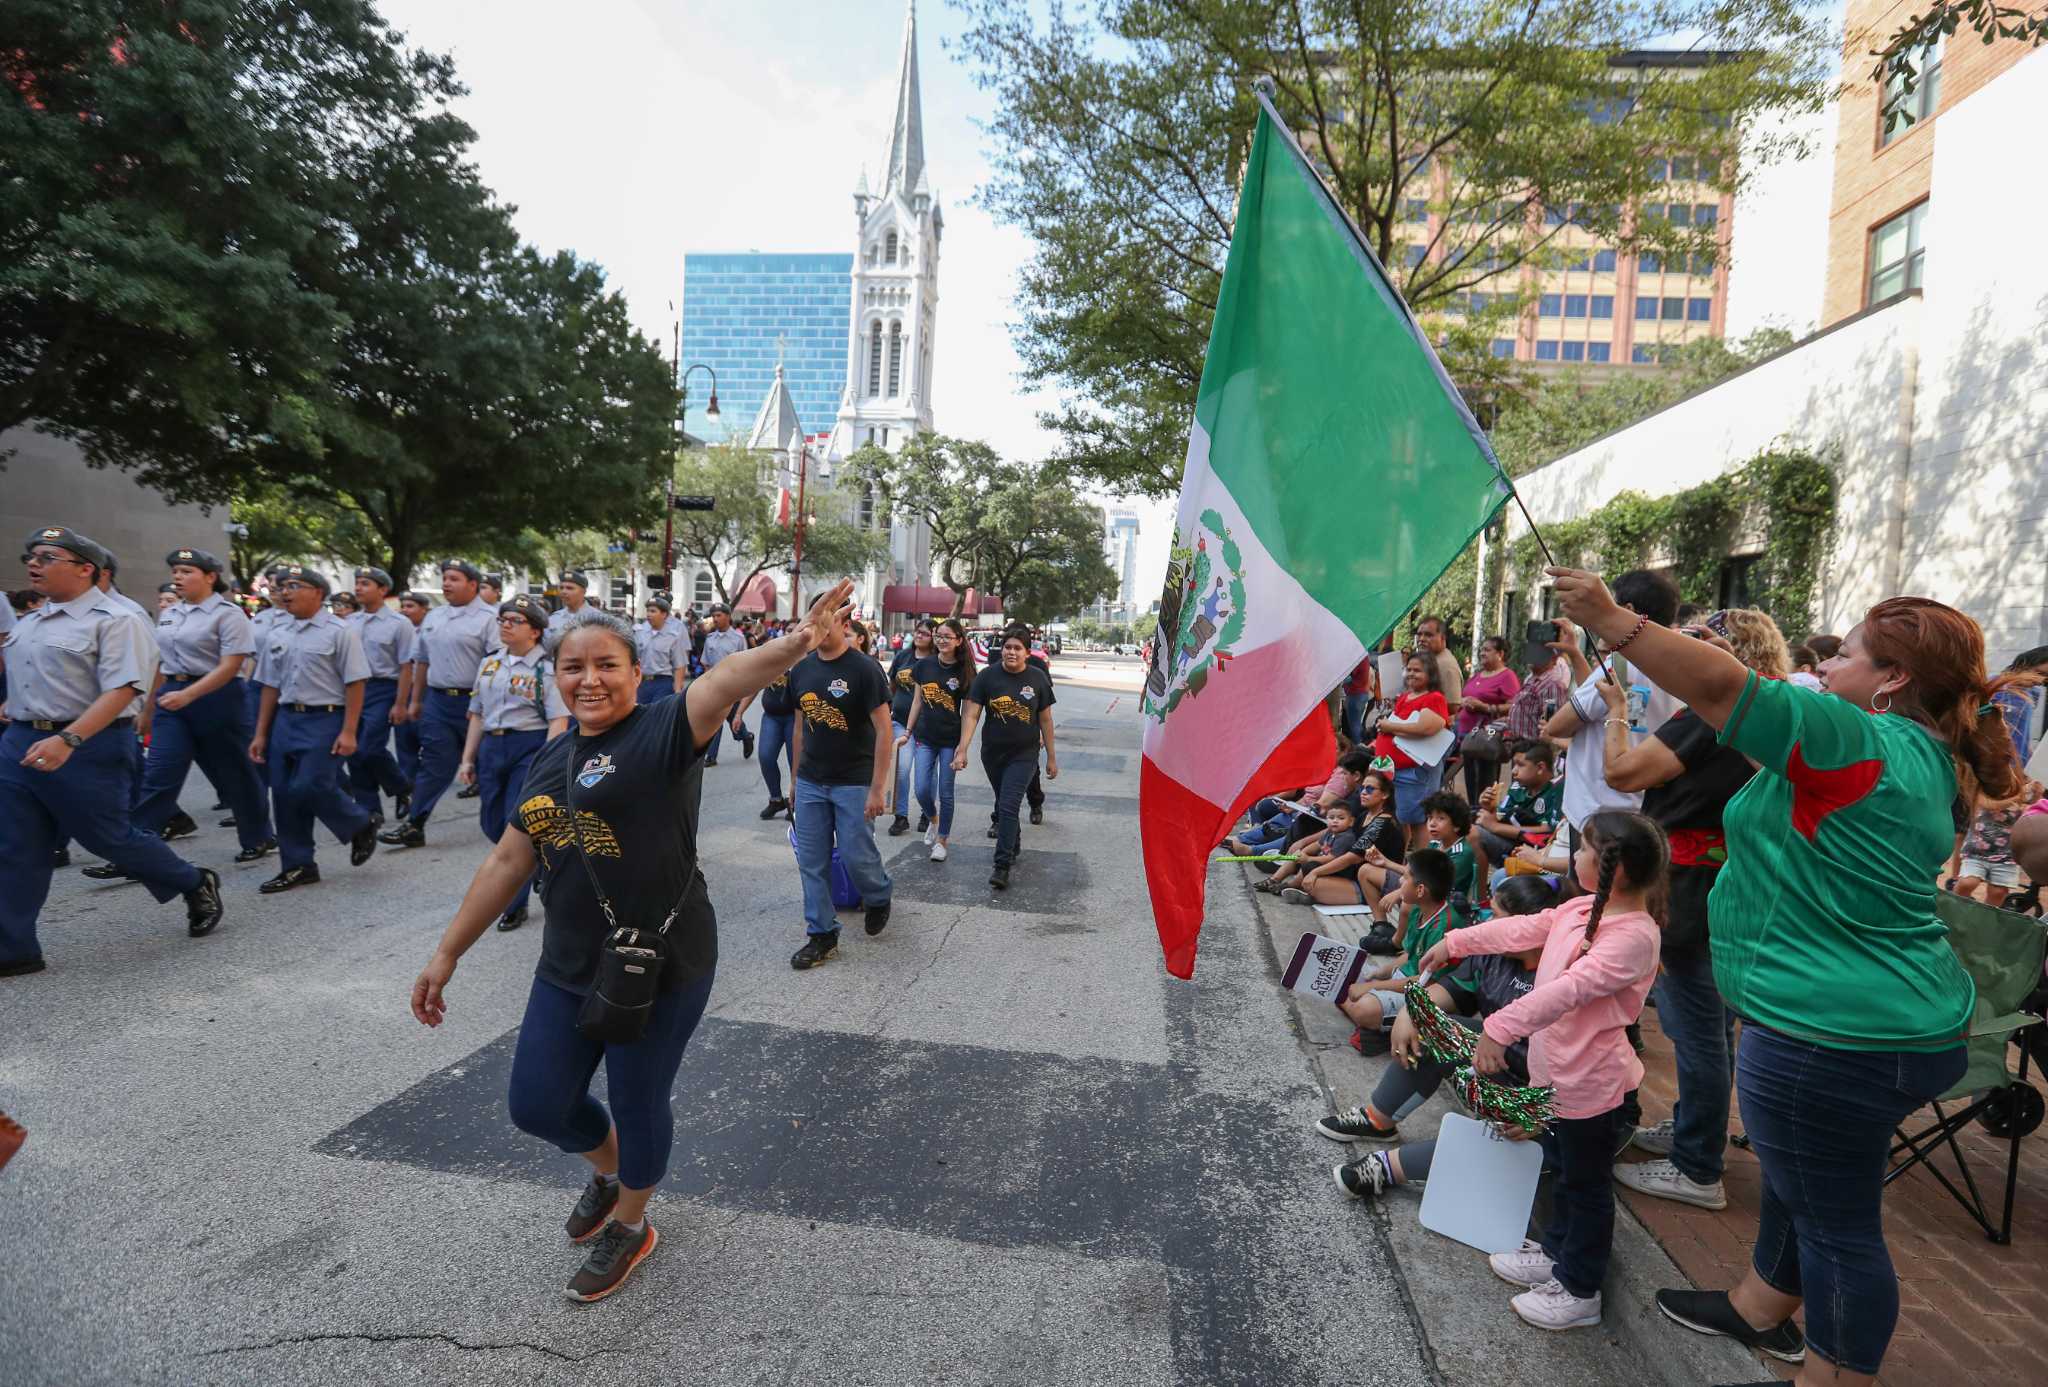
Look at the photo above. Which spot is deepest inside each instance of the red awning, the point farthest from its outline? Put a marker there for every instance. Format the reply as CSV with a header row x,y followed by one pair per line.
x,y
760,595
911,599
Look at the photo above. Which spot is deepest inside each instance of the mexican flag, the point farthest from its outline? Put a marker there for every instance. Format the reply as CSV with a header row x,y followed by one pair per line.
x,y
1332,475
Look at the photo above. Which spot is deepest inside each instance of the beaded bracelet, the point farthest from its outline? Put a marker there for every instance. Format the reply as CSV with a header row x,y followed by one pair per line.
x,y
1641,622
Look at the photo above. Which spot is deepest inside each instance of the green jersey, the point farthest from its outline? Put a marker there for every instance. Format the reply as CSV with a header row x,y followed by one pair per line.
x,y
1423,929
1462,865
1822,922
1540,810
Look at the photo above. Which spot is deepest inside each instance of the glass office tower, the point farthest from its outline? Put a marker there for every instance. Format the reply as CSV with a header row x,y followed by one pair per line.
x,y
742,312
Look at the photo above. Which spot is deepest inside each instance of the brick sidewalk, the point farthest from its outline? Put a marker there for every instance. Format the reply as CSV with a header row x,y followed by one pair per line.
x,y
1970,1310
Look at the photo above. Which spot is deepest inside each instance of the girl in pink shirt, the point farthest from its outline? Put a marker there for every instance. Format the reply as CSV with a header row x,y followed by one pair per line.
x,y
1599,959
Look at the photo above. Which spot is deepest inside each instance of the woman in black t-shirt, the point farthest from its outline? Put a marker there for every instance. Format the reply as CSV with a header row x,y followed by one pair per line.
x,y
940,683
621,795
778,740
1017,697
902,688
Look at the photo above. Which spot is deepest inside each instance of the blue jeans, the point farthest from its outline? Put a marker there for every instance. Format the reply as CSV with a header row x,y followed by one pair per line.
x,y
1580,1234
1821,1122
1702,1031
501,765
554,1063
1010,779
828,816
373,768
904,756
777,744
746,738
207,730
305,784
1354,713
935,783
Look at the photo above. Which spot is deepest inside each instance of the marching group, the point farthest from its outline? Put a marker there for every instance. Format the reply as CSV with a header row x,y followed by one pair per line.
x,y
1699,817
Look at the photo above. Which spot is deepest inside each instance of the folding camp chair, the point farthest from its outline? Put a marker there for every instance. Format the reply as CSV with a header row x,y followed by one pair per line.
x,y
2002,951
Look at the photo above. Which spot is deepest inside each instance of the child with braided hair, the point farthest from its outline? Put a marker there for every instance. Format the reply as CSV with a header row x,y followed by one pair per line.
x,y
1599,958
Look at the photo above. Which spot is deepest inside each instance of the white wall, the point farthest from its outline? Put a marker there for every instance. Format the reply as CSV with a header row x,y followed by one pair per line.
x,y
1778,253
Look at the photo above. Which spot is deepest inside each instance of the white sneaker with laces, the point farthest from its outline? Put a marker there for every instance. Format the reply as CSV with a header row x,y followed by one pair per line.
x,y
1663,1180
938,851
931,835
1529,1266
1656,1140
1551,1306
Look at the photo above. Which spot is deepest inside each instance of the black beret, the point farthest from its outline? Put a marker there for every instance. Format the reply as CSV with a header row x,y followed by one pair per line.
x,y
193,558
496,580
465,568
377,576
69,540
419,597
573,576
299,573
529,607
662,602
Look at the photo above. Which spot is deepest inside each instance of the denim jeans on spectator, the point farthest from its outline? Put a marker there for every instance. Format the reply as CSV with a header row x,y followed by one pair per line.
x,y
934,767
829,816
1580,1234
776,745
1354,713
904,756
1702,1032
1820,1121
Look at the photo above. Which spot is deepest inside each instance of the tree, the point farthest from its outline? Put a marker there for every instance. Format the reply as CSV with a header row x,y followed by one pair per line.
x,y
742,537
1900,59
272,525
1462,137
162,168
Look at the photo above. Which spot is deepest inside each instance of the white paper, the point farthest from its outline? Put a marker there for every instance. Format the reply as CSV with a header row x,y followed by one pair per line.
x,y
1481,1185
1426,751
1392,667
1343,910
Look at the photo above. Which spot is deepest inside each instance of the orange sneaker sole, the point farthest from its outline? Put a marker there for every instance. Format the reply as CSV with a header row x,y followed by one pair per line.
x,y
653,1241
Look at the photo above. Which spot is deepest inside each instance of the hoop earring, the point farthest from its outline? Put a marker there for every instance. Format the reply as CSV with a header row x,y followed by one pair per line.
x,y
1886,695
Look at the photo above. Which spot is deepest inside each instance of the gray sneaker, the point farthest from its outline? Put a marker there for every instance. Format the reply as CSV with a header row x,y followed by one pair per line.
x,y
1655,1140
612,1259
592,1209
1663,1180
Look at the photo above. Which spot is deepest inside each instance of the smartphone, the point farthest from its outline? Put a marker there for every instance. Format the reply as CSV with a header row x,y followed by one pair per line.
x,y
1540,632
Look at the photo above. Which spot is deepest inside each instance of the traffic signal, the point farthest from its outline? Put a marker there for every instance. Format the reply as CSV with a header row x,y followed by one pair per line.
x,y
693,503
622,590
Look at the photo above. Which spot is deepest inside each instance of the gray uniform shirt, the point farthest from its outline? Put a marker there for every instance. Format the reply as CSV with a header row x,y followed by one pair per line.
x,y
504,693
64,655
259,627
559,618
661,651
452,642
719,644
387,639
312,661
193,637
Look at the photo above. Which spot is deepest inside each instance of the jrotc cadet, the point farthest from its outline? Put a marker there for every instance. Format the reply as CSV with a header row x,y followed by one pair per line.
x,y
405,728
74,668
387,641
259,627
166,597
514,710
312,671
575,590
451,646
664,652
491,590
195,712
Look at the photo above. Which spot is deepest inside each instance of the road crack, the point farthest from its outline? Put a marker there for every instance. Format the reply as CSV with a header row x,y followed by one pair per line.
x,y
435,1338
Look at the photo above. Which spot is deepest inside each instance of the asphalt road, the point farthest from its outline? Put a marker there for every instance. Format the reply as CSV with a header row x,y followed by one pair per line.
x,y
996,1144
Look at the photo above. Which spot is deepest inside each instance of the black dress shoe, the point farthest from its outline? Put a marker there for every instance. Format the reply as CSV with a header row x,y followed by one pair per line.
x,y
22,967
257,853
377,819
203,905
218,807
775,808
179,826
104,871
402,807
1000,878
991,830
747,749
469,792
61,858
285,880
899,826
228,822
512,919
409,834
876,918
1038,813
924,821
363,846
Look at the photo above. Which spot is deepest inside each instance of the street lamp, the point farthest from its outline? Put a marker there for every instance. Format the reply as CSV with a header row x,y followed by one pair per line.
x,y
668,534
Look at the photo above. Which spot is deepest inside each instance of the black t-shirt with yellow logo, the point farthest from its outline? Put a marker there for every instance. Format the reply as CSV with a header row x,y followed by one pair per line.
x,y
943,686
776,699
1010,706
636,796
902,683
836,700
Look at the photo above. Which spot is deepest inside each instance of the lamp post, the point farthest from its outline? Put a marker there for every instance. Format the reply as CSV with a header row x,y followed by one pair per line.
x,y
668,507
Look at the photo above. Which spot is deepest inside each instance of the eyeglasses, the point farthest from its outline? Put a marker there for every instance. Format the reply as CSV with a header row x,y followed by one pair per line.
x,y
47,556
511,619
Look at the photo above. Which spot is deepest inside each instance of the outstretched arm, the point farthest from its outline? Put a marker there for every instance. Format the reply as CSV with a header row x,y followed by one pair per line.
x,y
745,673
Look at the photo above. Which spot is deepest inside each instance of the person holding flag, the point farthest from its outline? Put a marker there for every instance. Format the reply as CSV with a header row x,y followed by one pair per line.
x,y
1320,400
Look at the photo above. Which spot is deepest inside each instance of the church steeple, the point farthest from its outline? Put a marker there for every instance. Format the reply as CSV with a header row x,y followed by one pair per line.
x,y
904,170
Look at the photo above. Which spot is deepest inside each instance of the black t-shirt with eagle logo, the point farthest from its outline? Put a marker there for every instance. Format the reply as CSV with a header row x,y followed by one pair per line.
x,y
1010,706
943,686
776,700
902,683
636,795
836,700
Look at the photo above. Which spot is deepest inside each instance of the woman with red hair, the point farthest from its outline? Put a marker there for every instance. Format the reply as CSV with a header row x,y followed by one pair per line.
x,y
1825,941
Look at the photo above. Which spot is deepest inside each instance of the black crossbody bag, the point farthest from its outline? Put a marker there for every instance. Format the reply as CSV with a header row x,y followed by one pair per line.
x,y
629,963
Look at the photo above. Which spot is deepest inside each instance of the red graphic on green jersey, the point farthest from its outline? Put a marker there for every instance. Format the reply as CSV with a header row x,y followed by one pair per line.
x,y
1818,793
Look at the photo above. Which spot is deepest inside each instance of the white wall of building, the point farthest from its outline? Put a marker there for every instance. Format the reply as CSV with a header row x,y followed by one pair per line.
x,y
1778,255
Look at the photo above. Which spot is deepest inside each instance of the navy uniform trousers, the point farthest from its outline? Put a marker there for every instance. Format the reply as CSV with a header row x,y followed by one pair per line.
x,y
211,732
444,727
373,768
305,782
87,800
501,765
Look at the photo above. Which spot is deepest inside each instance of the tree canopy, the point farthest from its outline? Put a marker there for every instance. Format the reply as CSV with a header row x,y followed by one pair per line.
x,y
1463,137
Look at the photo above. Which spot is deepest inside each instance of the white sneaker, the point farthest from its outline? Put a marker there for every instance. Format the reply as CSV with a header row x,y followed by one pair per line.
x,y
1656,1140
938,851
931,836
1664,1180
1551,1306
1531,1266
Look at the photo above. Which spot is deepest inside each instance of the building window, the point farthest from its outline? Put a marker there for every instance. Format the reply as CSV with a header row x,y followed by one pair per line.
x,y
1599,351
895,360
1659,170
1412,256
1415,209
1678,214
1646,309
1681,169
1602,306
1705,213
1574,351
1479,302
1897,255
1649,264
867,506
701,590
1546,351
1574,305
875,359
1603,262
1917,105
1733,588
1504,347
1549,305
1584,262
1674,311
1699,310
889,251
1701,264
